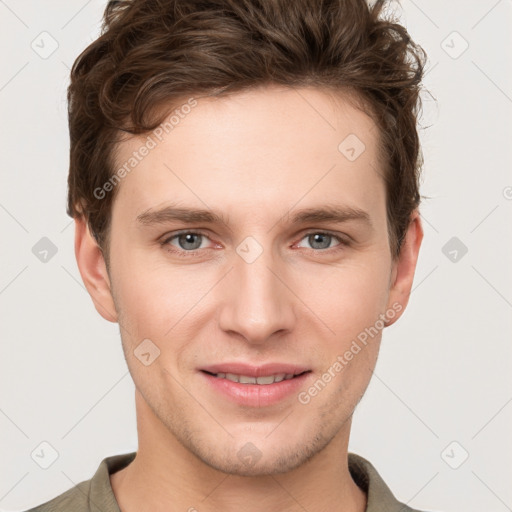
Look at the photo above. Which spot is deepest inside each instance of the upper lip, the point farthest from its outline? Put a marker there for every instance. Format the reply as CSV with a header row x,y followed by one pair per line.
x,y
251,370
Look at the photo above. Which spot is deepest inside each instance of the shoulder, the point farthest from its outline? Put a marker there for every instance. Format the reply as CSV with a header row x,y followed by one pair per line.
x,y
95,494
379,495
75,499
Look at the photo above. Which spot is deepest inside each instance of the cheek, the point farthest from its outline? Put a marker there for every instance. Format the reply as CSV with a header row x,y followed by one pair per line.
x,y
348,299
158,301
153,307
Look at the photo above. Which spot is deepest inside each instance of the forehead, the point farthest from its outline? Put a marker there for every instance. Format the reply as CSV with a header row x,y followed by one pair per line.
x,y
254,153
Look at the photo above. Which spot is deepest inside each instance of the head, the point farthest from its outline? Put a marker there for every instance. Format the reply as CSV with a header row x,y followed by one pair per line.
x,y
261,113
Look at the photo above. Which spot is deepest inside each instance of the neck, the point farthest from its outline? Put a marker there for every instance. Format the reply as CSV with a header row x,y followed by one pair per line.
x,y
165,476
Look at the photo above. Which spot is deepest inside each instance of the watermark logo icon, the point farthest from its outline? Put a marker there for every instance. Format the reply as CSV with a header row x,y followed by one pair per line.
x,y
454,249
44,250
44,455
146,352
351,147
44,45
249,454
249,249
454,45
454,455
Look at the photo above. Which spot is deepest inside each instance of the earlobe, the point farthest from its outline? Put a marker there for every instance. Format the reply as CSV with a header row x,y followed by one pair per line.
x,y
91,265
404,267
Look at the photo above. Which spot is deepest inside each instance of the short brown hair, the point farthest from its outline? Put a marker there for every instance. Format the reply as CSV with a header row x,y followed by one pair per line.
x,y
153,53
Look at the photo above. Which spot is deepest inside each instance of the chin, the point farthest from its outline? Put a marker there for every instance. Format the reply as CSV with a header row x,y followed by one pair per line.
x,y
248,460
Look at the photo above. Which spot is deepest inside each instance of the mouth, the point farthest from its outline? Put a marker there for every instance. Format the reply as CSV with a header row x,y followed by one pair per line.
x,y
262,380
256,386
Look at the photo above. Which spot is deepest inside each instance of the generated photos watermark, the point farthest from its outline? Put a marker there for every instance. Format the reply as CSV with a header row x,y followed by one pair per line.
x,y
342,361
152,140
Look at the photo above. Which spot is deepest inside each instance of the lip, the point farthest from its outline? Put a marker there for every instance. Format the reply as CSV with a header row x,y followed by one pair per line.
x,y
256,395
256,371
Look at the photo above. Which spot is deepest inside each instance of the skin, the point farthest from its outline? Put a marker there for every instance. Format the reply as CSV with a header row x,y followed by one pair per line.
x,y
257,157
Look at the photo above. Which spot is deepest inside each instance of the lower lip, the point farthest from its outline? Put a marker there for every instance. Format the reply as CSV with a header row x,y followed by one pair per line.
x,y
257,395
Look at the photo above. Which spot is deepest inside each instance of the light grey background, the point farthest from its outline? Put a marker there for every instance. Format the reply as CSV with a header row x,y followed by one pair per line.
x,y
444,370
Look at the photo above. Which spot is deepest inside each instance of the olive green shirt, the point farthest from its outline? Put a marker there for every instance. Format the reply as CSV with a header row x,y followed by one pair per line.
x,y
96,495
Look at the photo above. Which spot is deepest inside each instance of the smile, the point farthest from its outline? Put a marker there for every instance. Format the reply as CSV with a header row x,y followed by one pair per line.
x,y
246,379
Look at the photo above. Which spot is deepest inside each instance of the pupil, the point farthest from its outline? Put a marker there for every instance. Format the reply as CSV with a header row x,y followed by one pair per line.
x,y
189,239
318,238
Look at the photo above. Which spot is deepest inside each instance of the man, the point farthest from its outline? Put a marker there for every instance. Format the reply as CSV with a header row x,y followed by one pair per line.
x,y
244,181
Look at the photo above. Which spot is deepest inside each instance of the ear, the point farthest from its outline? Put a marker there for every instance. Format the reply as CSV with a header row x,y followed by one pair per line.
x,y
94,271
403,268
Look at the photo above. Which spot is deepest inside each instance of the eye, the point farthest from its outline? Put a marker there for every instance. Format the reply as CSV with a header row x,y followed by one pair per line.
x,y
321,240
188,243
185,242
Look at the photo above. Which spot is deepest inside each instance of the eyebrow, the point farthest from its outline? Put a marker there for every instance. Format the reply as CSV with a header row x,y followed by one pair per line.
x,y
336,214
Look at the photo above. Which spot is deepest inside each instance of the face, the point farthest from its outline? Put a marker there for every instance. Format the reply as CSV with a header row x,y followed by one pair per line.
x,y
285,273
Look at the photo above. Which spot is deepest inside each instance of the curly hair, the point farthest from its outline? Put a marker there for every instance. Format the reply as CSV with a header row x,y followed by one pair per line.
x,y
153,53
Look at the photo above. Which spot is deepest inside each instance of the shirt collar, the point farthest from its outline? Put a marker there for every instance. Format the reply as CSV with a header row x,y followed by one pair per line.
x,y
379,496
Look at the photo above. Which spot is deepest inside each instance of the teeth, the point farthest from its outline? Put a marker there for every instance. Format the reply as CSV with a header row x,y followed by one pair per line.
x,y
270,379
244,379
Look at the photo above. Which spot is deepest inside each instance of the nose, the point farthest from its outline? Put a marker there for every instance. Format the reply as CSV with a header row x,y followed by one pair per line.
x,y
257,301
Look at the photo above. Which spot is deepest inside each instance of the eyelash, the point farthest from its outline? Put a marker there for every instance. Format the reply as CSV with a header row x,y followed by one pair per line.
x,y
187,254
